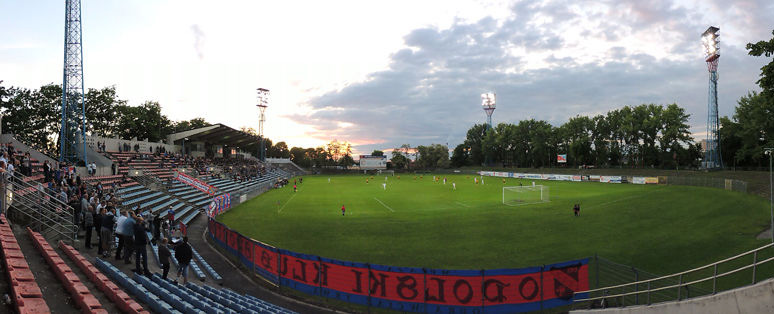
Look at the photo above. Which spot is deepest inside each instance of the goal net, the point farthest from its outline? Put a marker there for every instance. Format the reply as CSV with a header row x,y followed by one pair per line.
x,y
523,195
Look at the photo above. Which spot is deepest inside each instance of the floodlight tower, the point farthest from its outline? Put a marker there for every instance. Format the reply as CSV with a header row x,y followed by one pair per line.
x,y
263,102
710,41
488,103
72,135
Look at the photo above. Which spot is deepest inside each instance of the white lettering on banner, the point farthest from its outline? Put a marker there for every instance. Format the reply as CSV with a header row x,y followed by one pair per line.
x,y
196,183
610,179
638,180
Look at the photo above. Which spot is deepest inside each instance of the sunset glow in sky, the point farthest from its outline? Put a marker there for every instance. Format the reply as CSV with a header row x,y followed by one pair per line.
x,y
381,74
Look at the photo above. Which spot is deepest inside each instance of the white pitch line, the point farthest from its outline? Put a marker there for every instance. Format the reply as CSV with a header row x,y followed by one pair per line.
x,y
624,199
383,204
463,204
283,205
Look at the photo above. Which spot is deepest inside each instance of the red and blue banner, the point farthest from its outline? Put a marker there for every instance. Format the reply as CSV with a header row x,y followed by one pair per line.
x,y
219,204
561,158
410,289
194,182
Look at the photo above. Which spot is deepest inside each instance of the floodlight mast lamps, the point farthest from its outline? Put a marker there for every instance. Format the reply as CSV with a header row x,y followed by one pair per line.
x,y
488,103
712,159
263,102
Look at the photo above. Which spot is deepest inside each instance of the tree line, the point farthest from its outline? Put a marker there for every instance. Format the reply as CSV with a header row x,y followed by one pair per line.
x,y
646,135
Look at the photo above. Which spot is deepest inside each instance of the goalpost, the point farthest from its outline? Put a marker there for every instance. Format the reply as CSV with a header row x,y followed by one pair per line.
x,y
391,172
523,195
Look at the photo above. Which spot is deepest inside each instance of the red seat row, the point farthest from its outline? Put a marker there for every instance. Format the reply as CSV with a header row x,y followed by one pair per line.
x,y
80,293
121,298
103,177
26,292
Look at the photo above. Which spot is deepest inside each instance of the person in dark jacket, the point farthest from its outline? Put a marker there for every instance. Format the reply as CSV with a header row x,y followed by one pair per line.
x,y
98,230
88,222
156,228
140,247
183,254
107,231
164,256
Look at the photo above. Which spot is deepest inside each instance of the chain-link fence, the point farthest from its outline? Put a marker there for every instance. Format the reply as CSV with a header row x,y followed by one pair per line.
x,y
618,285
718,183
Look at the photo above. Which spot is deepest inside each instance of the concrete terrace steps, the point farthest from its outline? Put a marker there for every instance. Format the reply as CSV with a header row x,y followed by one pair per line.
x,y
26,293
155,303
122,300
129,189
189,216
83,298
141,198
164,205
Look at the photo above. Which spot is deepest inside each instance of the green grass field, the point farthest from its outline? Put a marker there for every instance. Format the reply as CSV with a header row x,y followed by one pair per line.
x,y
420,223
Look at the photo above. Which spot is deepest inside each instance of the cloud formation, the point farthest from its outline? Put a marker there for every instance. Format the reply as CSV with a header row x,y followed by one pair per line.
x,y
198,40
549,60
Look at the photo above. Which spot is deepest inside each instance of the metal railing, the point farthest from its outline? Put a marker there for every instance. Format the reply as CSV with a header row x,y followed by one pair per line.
x,y
646,292
37,209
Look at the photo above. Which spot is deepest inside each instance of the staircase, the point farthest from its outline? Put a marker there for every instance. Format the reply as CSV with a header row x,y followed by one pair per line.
x,y
153,183
26,203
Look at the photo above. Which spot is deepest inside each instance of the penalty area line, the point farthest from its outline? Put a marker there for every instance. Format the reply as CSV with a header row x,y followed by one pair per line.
x,y
463,204
286,203
385,205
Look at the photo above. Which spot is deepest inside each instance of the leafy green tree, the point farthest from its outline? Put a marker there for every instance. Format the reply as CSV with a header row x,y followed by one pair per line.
x,y
102,113
346,161
764,48
398,160
143,122
377,153
675,133
299,156
195,123
731,141
460,156
754,115
432,156
279,150
33,116
474,140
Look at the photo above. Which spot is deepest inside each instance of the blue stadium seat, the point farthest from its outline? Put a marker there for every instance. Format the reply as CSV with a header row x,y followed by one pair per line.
x,y
153,301
171,299
192,297
207,266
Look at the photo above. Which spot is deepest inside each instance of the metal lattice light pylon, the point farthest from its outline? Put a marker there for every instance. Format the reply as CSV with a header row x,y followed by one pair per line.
x,y
712,158
263,102
73,129
488,103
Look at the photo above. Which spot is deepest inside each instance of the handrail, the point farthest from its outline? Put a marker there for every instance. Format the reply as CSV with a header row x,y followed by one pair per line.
x,y
680,284
26,184
680,273
48,211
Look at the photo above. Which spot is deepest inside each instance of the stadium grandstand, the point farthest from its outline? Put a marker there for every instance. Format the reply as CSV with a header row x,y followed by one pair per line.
x,y
62,227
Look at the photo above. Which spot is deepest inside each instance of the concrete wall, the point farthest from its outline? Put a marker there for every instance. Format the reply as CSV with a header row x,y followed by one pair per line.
x,y
112,144
758,298
5,138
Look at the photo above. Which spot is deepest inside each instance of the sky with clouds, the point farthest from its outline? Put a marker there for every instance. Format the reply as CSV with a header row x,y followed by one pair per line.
x,y
383,74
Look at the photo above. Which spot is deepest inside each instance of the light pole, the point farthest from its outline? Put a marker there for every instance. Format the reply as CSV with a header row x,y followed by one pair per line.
x,y
768,151
263,102
712,157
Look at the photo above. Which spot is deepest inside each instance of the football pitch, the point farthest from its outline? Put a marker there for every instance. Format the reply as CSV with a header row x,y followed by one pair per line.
x,y
417,222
